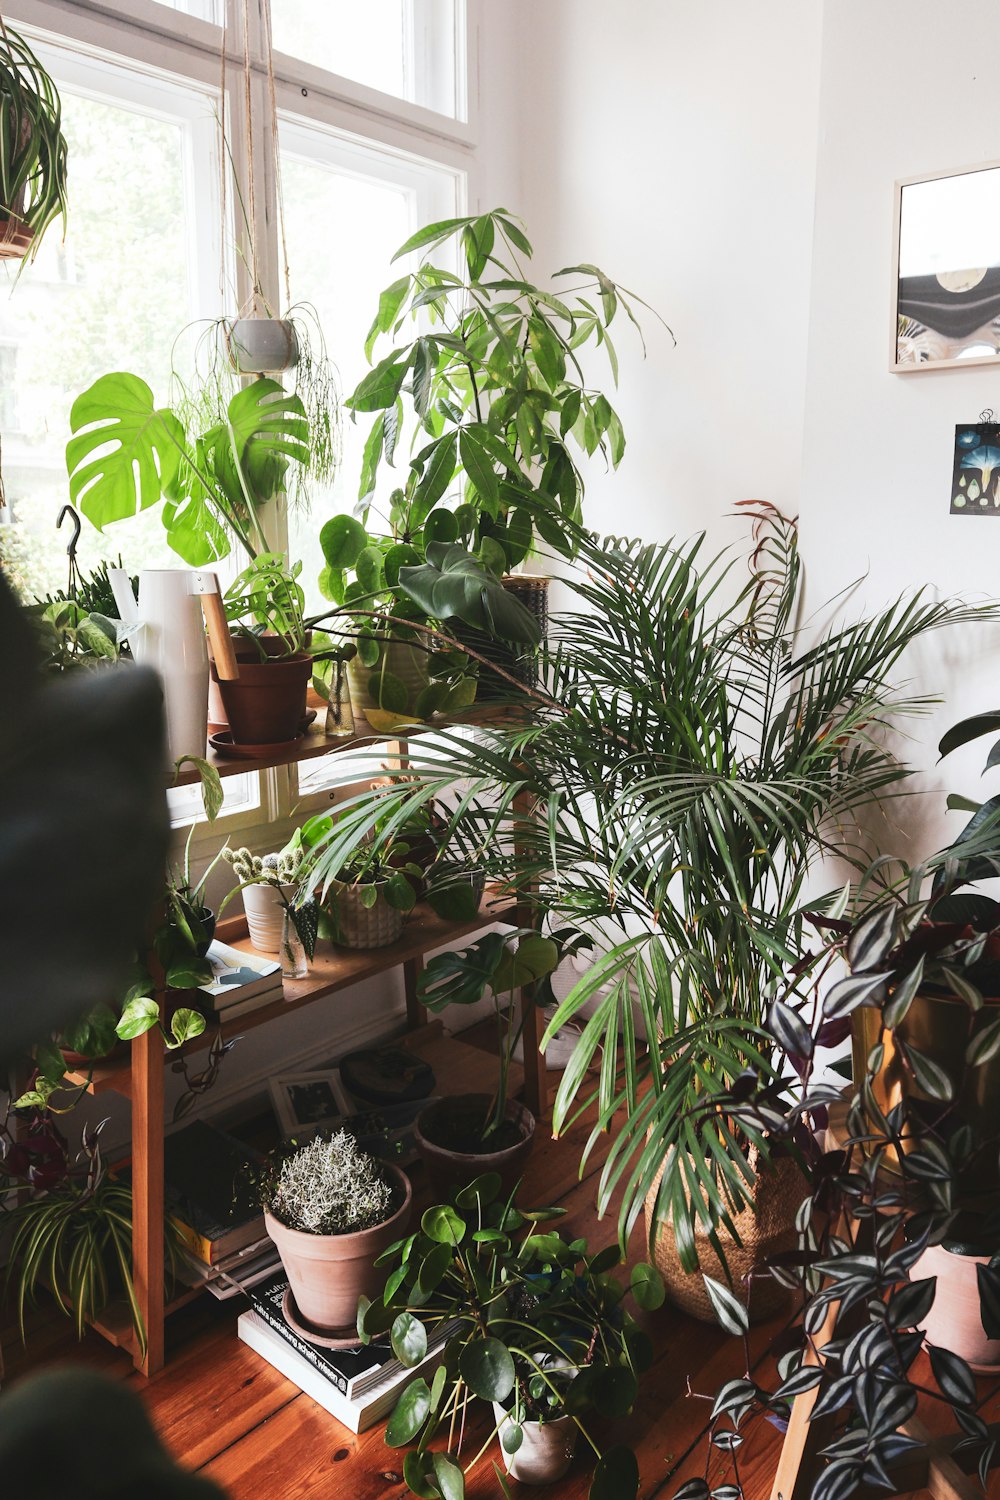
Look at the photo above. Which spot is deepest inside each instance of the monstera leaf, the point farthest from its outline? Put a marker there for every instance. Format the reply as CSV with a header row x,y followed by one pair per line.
x,y
265,427
125,453
452,584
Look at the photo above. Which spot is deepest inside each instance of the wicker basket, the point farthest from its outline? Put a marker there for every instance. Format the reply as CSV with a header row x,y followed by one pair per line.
x,y
519,660
765,1230
357,926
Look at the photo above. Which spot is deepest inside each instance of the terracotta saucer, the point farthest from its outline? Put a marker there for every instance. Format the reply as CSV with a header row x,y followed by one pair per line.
x,y
336,1338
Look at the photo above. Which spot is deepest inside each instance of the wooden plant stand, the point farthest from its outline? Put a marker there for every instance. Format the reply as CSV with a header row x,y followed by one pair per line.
x,y
140,1076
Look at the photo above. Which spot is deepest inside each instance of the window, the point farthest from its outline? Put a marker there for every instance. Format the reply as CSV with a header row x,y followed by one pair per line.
x,y
114,297
406,48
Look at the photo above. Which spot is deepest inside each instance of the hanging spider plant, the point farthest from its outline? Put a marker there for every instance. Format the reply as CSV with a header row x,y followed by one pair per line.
x,y
686,765
32,149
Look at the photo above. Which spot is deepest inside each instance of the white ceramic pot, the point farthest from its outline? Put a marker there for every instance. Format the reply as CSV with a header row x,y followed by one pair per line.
x,y
954,1321
265,914
546,1450
169,636
261,346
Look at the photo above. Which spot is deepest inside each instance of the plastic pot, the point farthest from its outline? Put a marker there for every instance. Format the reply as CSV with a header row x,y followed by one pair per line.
x,y
449,1118
266,704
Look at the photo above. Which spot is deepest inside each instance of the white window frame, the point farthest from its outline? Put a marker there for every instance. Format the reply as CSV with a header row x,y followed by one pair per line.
x,y
336,118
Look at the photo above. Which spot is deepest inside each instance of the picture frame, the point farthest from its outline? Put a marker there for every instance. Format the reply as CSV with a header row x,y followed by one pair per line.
x,y
305,1103
945,291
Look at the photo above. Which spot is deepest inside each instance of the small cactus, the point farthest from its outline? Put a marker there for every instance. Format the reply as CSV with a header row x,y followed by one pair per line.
x,y
279,868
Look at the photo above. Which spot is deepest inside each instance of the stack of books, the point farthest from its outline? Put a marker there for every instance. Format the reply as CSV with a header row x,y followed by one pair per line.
x,y
241,982
212,1193
357,1386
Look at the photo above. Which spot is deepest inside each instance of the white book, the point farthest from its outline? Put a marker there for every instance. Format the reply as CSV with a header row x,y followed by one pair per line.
x,y
237,975
375,1401
243,1007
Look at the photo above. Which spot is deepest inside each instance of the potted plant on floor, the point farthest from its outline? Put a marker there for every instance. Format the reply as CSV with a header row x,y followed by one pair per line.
x,y
331,1211
538,1328
32,150
463,1135
684,768
885,1260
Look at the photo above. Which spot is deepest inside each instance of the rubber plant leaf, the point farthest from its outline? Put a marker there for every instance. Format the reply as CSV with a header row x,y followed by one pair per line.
x,y
124,452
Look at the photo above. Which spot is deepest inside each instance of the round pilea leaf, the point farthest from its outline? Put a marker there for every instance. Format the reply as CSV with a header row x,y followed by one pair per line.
x,y
412,1411
441,526
369,649
647,1286
483,1190
444,1225
399,555
616,1476
487,1369
388,691
417,1469
342,539
450,1478
409,1339
369,570
512,1437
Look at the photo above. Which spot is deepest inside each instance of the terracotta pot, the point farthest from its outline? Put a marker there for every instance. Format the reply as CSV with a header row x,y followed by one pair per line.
x,y
399,660
955,1321
765,1230
449,1169
261,346
266,704
266,914
939,1026
329,1272
15,237
546,1450
352,925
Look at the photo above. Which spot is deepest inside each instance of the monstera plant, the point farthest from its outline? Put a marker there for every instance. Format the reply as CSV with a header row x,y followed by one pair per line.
x,y
126,455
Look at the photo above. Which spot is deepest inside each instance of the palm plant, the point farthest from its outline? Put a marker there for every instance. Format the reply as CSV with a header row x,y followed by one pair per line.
x,y
32,149
685,766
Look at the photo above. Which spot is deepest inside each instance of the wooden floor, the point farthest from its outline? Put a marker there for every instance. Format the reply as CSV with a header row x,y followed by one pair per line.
x,y
225,1412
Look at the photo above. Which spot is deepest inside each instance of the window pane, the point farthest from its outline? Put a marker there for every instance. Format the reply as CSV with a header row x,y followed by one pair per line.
x,y
113,296
345,215
406,48
240,794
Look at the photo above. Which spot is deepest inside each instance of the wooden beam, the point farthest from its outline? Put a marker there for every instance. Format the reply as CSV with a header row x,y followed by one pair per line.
x,y
147,1194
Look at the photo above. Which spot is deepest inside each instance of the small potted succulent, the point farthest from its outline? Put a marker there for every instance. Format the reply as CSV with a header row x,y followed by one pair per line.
x,y
537,1327
267,883
463,1135
331,1210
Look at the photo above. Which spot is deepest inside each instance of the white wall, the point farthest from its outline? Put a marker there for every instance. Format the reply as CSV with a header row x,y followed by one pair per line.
x,y
674,145
899,98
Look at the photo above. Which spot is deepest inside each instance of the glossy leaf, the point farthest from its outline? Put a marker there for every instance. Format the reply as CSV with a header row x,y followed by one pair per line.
x,y
409,1339
411,1412
487,1369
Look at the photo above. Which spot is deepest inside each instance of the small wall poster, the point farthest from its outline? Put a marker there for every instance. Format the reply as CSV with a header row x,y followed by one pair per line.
x,y
975,480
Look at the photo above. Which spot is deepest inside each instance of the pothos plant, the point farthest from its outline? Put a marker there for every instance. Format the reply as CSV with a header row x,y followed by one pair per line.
x,y
890,1183
534,1324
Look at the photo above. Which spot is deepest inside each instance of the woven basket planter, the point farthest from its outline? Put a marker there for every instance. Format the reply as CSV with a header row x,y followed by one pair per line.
x,y
765,1230
357,926
519,660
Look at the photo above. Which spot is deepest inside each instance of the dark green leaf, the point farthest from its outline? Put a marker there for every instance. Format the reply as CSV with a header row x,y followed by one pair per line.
x,y
409,1339
412,1410
487,1369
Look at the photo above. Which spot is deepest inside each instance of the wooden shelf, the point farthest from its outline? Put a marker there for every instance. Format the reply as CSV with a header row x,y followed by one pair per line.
x,y
331,970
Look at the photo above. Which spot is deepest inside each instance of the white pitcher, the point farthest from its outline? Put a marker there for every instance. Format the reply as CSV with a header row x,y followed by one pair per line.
x,y
169,635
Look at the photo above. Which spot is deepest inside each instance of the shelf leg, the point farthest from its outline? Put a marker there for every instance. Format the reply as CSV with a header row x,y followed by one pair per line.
x,y
536,1082
415,1014
147,1194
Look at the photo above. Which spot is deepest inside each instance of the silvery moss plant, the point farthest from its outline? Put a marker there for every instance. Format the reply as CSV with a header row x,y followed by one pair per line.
x,y
329,1186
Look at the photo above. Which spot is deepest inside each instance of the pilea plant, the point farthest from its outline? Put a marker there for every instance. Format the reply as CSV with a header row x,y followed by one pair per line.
x,y
538,1327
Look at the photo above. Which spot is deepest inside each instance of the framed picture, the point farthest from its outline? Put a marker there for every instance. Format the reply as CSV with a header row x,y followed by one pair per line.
x,y
307,1102
946,270
975,475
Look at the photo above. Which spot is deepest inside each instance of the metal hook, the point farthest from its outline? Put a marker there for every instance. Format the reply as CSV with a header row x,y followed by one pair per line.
x,y
68,510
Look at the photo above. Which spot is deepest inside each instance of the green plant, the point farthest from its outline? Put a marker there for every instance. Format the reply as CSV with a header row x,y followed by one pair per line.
x,y
211,485
502,963
499,396
267,597
278,870
77,1238
890,1183
534,1324
381,869
686,765
329,1186
32,146
70,635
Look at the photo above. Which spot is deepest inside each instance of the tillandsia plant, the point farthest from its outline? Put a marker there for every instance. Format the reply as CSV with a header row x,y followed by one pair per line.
x,y
126,454
532,1323
328,1186
499,396
78,1238
32,149
917,1127
685,764
502,963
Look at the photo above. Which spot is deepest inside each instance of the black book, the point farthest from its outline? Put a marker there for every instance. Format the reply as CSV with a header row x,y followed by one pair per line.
x,y
211,1193
350,1370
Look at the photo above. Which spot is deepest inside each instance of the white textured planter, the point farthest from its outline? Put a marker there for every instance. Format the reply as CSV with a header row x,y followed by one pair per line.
x,y
546,1450
265,914
261,346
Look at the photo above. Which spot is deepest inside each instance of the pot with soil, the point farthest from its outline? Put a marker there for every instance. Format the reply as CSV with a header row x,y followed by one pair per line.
x,y
331,1210
266,704
764,1230
457,1145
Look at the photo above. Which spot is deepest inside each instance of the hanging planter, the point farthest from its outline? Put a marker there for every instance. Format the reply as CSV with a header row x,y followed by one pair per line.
x,y
32,150
261,345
